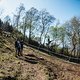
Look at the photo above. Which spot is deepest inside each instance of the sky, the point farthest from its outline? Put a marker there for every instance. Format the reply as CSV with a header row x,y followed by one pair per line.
x,y
62,10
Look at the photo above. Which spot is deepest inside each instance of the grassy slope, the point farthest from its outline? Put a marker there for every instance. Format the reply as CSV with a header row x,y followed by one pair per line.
x,y
30,67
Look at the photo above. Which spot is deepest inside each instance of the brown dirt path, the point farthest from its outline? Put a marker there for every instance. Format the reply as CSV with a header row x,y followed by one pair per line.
x,y
52,68
36,65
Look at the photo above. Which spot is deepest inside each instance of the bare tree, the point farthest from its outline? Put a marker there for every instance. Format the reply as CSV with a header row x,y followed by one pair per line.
x,y
45,20
31,19
7,19
73,34
75,22
17,16
1,11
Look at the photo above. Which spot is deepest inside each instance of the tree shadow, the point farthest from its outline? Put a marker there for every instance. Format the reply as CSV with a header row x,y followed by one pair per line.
x,y
9,78
31,58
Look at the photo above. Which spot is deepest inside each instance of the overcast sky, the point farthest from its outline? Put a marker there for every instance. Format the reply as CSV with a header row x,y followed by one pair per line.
x,y
60,9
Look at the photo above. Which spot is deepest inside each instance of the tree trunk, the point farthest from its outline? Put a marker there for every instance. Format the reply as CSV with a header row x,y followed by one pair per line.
x,y
24,32
30,35
79,47
73,50
46,35
30,32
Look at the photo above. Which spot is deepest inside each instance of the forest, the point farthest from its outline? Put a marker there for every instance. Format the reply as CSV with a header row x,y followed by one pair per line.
x,y
39,40
43,30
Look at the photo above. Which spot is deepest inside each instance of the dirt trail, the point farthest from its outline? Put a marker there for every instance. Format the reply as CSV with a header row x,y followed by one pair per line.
x,y
36,65
47,68
33,72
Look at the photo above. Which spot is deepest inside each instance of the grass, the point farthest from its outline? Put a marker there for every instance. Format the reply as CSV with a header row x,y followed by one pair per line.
x,y
50,68
9,65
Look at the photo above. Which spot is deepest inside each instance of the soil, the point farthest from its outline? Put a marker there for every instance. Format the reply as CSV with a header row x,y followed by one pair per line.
x,y
34,65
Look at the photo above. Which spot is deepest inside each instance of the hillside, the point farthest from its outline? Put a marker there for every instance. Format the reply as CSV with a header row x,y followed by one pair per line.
x,y
34,65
